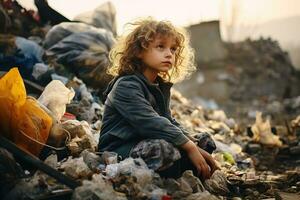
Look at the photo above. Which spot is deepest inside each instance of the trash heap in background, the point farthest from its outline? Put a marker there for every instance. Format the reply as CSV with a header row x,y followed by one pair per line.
x,y
262,78
256,75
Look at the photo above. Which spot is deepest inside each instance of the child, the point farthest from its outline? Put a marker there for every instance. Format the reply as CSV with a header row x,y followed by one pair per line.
x,y
137,121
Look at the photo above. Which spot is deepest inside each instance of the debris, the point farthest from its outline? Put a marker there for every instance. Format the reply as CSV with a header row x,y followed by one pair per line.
x,y
91,160
217,184
35,162
20,52
10,171
262,132
97,189
134,167
194,182
84,105
103,16
295,150
55,97
62,45
76,168
22,119
202,196
17,20
261,166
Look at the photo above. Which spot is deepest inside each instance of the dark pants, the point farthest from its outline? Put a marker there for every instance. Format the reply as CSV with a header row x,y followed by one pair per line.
x,y
179,166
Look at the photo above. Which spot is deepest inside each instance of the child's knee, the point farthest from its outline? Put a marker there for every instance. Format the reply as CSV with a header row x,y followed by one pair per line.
x,y
157,153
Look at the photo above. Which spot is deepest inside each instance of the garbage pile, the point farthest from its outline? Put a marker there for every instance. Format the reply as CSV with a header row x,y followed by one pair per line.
x,y
256,75
263,77
49,135
18,21
258,161
255,56
65,49
245,160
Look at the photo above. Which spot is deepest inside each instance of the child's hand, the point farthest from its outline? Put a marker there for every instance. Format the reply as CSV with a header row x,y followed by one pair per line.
x,y
209,160
197,159
201,165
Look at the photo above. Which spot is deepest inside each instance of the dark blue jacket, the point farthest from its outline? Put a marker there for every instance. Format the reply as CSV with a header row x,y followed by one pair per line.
x,y
136,109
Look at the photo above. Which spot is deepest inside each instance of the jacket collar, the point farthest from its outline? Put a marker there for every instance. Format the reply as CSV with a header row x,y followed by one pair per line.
x,y
160,82
163,85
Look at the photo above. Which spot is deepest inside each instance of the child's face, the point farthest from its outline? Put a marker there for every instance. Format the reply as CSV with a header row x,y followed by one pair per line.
x,y
160,54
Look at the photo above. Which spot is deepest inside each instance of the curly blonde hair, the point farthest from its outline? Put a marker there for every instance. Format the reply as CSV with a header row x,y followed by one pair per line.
x,y
124,59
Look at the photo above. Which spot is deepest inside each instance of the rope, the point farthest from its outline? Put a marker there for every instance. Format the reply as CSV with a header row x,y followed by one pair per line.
x,y
51,147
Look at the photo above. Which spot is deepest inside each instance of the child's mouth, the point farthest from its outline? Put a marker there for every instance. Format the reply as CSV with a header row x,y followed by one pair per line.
x,y
167,62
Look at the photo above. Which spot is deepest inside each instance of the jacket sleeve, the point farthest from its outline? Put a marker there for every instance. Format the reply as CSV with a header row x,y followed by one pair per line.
x,y
174,122
185,132
127,97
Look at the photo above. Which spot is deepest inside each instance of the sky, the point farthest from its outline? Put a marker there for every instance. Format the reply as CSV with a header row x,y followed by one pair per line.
x,y
179,12
182,12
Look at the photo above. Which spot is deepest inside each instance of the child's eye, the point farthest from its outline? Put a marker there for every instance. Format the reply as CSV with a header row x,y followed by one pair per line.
x,y
173,49
160,46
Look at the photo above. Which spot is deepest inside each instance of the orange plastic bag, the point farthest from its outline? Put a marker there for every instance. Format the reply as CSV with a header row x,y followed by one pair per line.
x,y
22,120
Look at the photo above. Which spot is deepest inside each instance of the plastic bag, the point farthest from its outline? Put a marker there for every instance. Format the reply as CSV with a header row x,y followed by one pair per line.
x,y
55,97
82,53
262,132
62,30
22,120
104,16
133,167
76,168
97,188
19,52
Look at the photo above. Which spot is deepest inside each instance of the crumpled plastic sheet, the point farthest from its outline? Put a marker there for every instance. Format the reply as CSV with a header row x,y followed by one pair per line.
x,y
55,97
217,184
202,196
104,16
97,189
91,160
82,51
76,168
134,167
262,132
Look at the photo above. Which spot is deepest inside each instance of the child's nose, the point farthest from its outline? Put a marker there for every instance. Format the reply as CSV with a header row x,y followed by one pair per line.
x,y
168,53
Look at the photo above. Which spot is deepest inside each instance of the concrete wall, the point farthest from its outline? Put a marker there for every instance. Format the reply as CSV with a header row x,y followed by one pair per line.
x,y
207,42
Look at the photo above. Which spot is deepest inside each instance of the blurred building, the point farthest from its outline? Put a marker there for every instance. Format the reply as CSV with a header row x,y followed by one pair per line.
x,y
207,42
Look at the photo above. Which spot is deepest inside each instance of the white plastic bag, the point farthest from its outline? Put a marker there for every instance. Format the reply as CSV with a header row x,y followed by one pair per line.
x,y
55,97
262,132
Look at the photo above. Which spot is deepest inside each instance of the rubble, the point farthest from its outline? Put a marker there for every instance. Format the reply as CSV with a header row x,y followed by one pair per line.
x,y
262,132
132,179
84,106
82,50
98,188
257,75
76,168
217,184
22,118
19,21
259,161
